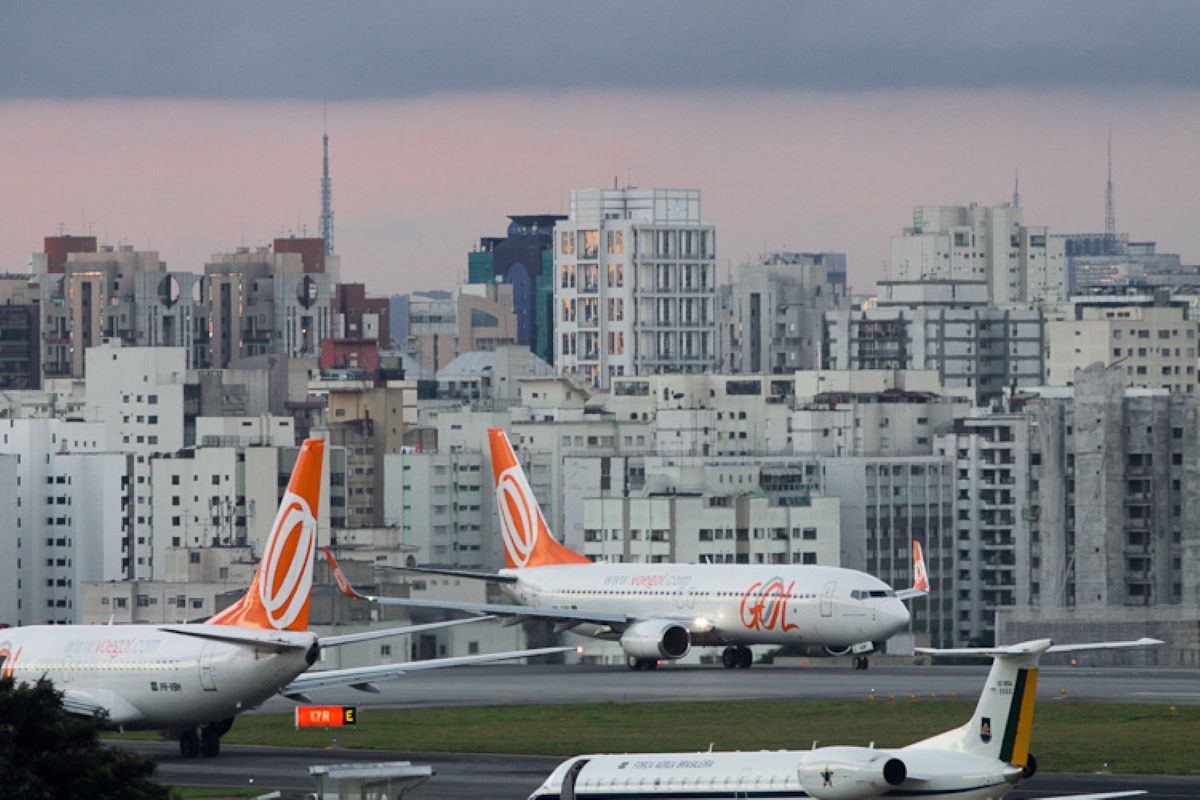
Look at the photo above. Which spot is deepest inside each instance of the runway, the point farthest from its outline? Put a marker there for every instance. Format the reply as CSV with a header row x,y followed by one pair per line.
x,y
462,776
534,684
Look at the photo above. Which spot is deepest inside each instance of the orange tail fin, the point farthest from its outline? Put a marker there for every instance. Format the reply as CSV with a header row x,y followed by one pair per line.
x,y
920,576
527,539
279,597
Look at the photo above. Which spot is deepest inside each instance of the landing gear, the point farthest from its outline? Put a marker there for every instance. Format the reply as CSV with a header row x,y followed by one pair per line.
x,y
210,741
861,662
639,664
205,740
745,657
189,744
740,657
729,657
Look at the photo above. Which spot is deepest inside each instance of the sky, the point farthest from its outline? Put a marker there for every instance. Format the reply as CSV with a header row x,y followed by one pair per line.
x,y
192,128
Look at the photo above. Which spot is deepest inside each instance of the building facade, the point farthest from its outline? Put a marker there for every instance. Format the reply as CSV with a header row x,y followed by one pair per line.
x,y
635,292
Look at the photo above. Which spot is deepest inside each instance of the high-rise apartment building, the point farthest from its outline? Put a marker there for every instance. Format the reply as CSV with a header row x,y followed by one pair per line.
x,y
265,301
778,305
635,292
1150,338
1020,264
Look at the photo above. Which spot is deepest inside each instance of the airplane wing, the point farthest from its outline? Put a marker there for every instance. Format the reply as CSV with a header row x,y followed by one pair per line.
x,y
366,636
565,618
470,574
88,702
364,678
1039,645
1104,796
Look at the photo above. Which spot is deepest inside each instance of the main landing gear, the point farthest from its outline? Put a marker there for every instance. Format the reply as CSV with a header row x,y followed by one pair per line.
x,y
860,662
205,740
740,657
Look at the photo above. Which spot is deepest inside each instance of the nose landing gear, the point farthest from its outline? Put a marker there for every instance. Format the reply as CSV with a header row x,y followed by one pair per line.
x,y
861,662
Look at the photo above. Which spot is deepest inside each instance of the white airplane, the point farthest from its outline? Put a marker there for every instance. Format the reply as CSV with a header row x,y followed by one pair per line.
x,y
659,611
982,760
192,679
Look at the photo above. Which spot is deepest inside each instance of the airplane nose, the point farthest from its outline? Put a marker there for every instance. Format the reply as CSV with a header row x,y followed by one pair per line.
x,y
896,615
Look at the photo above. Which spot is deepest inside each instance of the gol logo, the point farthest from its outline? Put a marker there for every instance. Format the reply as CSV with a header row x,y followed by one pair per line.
x,y
286,579
764,605
519,516
8,660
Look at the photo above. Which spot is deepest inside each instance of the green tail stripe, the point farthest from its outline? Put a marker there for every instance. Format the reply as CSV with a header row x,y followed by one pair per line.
x,y
1014,718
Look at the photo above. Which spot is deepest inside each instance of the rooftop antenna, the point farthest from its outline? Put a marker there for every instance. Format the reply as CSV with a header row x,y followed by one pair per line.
x,y
1016,200
1110,213
326,224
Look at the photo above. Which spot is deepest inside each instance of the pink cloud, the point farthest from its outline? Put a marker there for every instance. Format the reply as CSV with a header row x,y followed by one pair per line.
x,y
417,182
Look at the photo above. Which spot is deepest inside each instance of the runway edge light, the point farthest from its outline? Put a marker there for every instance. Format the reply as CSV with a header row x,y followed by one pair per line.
x,y
326,716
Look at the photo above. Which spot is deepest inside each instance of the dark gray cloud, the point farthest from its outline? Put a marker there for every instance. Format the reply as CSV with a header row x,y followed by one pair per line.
x,y
302,50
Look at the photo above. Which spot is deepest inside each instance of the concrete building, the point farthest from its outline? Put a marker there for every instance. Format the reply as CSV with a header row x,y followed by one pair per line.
x,y
1097,260
636,287
168,312
778,305
992,513
137,393
523,258
358,317
68,515
442,325
263,301
94,298
1150,338
490,375
1020,264
970,344
1113,482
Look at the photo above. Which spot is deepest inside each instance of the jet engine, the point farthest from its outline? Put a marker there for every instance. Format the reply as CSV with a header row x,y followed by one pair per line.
x,y
849,773
656,638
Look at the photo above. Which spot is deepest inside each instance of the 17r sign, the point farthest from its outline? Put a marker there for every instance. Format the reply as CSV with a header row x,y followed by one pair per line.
x,y
326,716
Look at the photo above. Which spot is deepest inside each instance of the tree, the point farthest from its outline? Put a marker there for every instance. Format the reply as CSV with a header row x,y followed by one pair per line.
x,y
48,754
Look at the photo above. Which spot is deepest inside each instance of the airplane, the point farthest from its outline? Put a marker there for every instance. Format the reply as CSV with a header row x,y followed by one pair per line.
x,y
190,680
983,759
660,611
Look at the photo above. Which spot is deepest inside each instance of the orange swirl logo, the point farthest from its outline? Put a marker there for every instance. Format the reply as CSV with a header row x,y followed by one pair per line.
x,y
518,515
285,579
764,605
8,660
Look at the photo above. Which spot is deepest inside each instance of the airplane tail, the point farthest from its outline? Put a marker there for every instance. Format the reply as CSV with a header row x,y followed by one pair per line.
x,y
920,587
279,596
1002,724
527,538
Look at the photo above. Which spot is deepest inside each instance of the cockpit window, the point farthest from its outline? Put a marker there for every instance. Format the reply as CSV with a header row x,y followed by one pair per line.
x,y
863,594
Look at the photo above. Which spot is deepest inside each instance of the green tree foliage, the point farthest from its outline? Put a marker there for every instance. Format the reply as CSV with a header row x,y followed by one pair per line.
x,y
48,754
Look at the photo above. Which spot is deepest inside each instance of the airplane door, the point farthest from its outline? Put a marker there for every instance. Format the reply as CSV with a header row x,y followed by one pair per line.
x,y
827,599
568,783
207,680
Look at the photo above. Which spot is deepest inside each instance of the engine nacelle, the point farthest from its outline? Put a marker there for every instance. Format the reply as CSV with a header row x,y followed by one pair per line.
x,y
849,773
656,638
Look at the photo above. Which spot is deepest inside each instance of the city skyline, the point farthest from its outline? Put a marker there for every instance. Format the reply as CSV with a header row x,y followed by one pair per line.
x,y
820,132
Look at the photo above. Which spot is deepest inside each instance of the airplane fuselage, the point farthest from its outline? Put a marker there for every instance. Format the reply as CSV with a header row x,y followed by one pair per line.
x,y
780,775
149,677
724,604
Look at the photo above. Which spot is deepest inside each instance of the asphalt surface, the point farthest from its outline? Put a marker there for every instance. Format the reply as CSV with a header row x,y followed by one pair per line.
x,y
532,684
465,775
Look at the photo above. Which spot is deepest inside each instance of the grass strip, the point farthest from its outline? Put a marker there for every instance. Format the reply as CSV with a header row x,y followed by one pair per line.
x,y
1067,736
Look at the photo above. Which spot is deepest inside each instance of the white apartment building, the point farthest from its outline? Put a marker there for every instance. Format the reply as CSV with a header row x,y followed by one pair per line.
x,y
1021,264
442,503
635,287
1149,338
67,517
137,393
